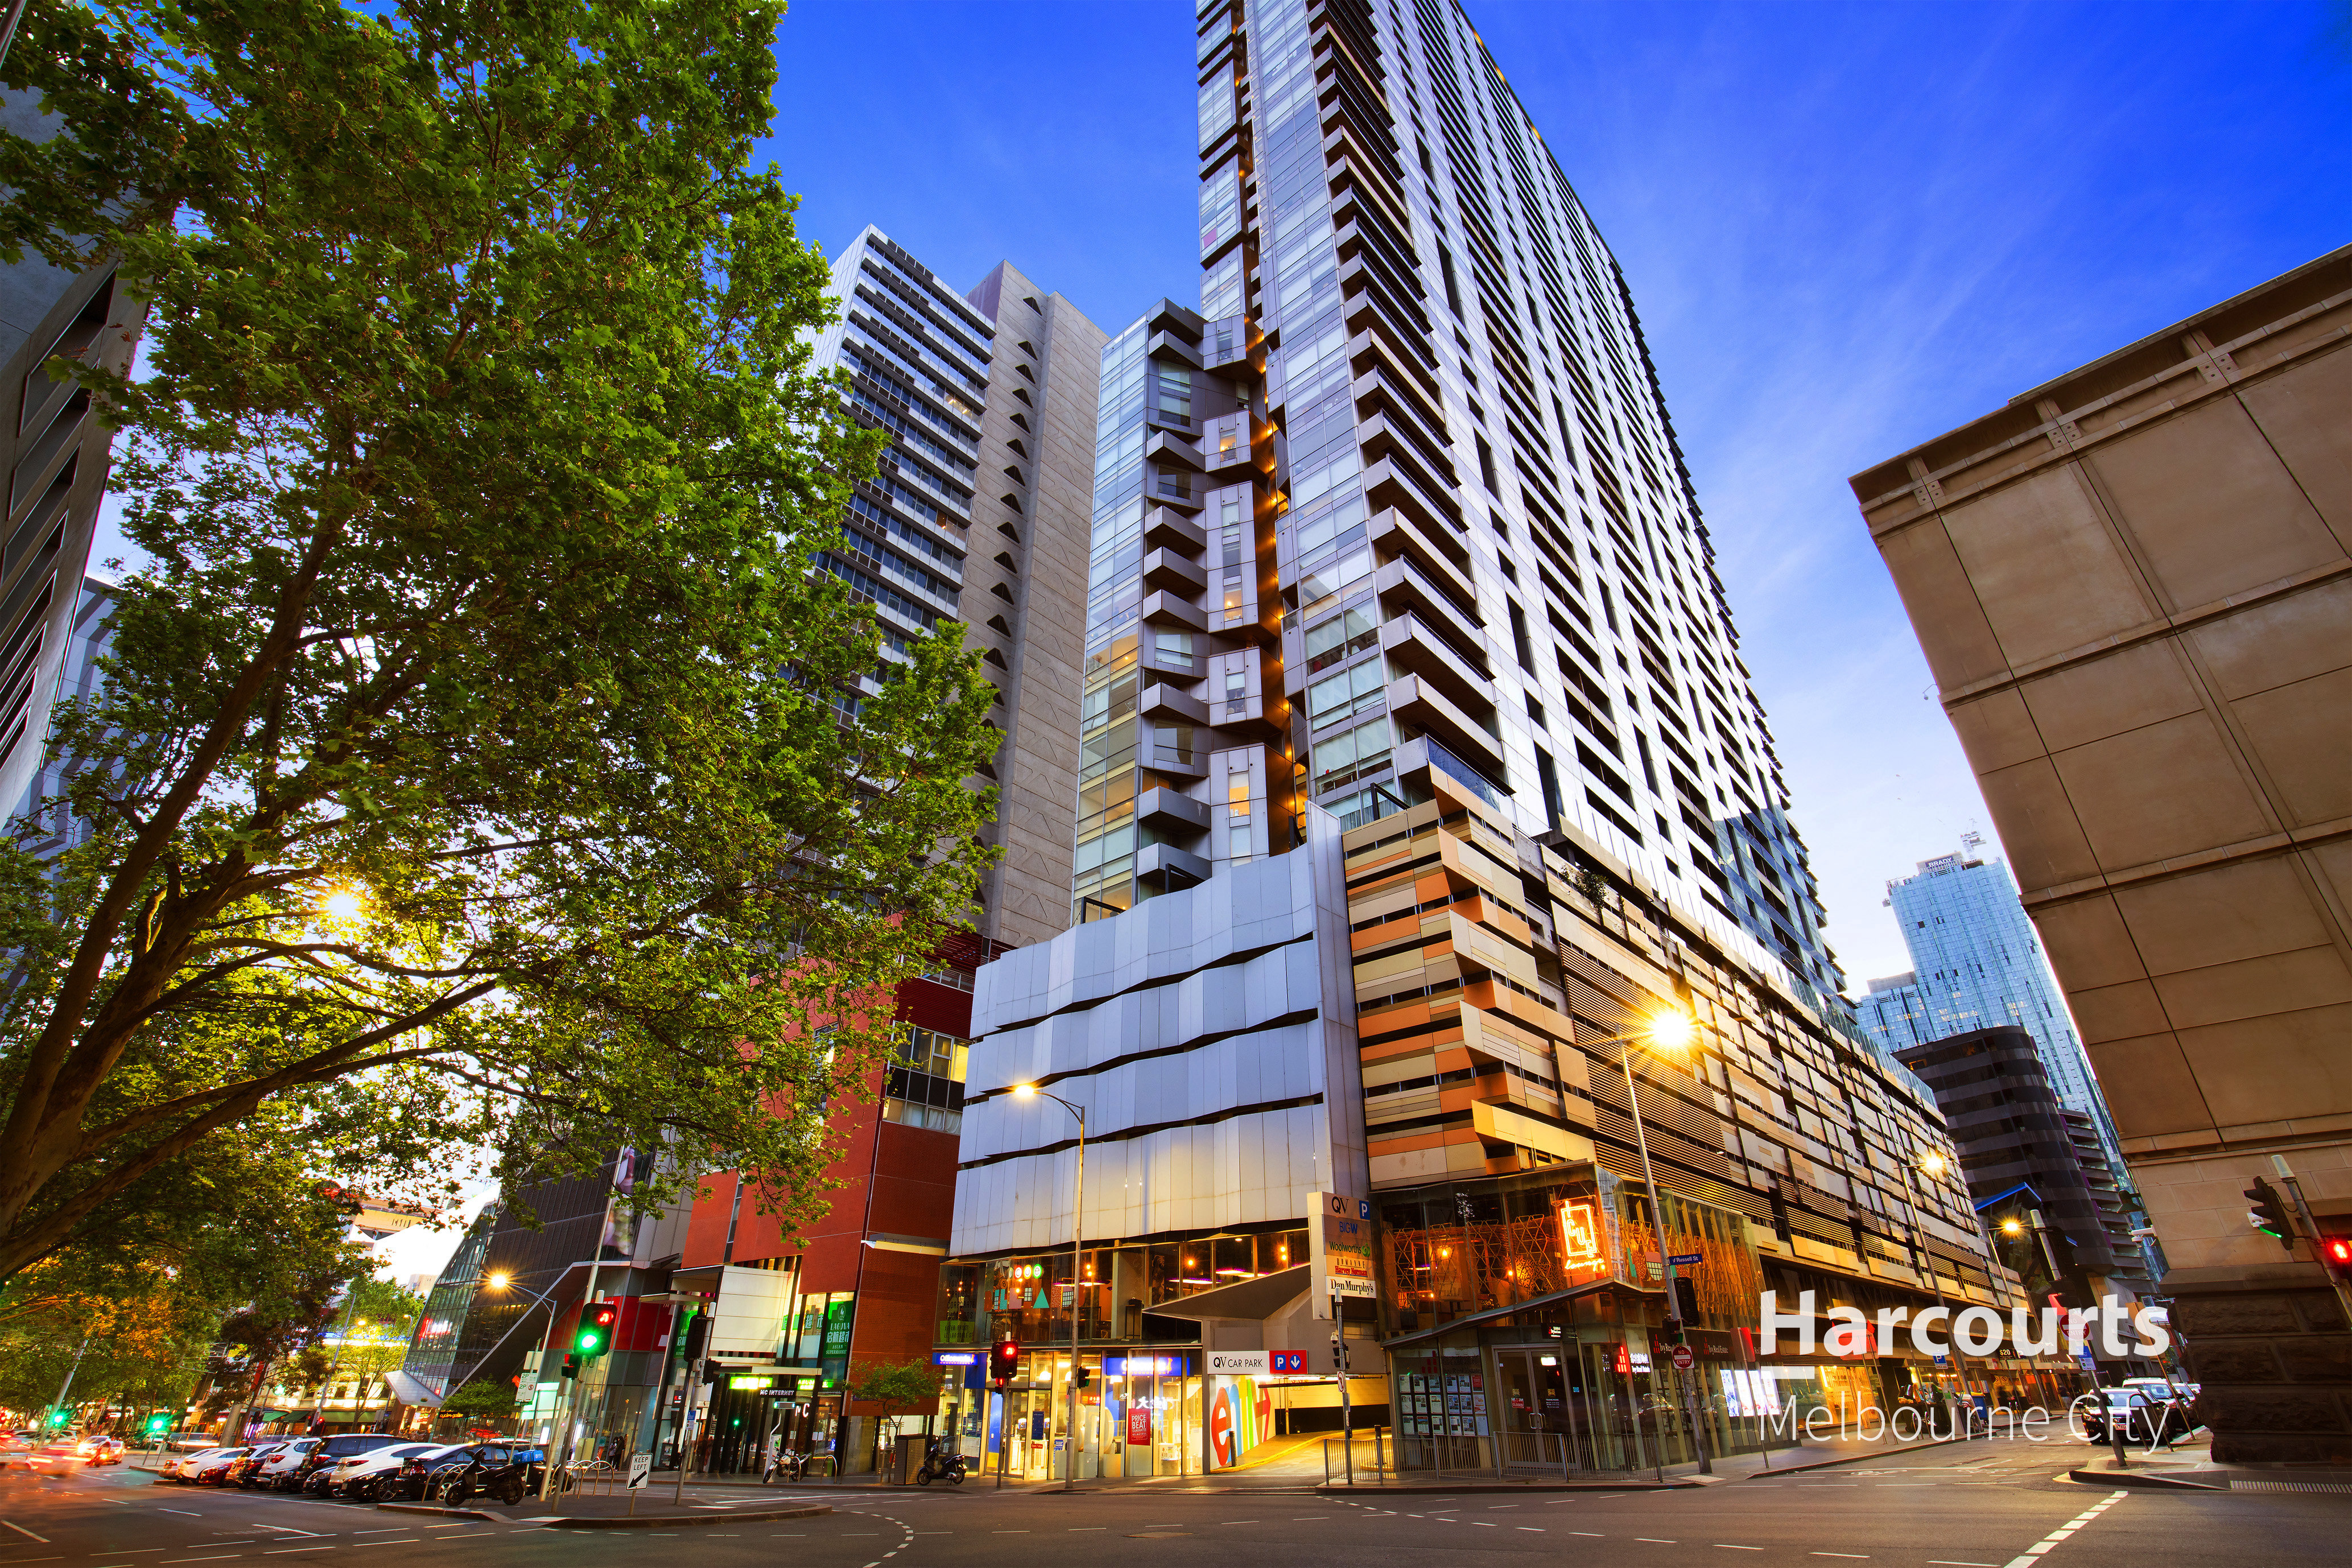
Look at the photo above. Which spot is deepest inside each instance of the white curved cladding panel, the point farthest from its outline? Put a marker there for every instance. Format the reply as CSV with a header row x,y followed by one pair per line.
x,y
1264,1165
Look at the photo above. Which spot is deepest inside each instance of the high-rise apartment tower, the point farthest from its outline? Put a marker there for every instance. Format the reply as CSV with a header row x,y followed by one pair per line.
x,y
1977,963
54,450
1404,493
979,515
1418,776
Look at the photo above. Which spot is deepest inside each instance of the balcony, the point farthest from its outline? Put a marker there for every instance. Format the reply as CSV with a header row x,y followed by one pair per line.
x,y
1174,610
1165,862
1233,347
1166,345
1390,438
1404,586
1167,447
1163,811
1419,703
1387,484
1369,348
1168,529
1414,646
1166,569
1167,705
1394,533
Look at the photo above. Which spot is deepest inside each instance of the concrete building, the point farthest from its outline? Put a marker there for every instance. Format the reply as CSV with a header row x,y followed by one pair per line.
x,y
1977,963
53,450
1417,767
2133,586
979,516
2023,1152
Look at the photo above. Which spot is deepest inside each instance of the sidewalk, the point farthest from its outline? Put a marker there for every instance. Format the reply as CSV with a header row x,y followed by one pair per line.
x,y
2189,1465
652,1510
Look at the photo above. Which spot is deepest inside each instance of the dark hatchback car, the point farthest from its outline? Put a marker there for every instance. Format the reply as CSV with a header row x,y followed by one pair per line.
x,y
310,1474
500,1471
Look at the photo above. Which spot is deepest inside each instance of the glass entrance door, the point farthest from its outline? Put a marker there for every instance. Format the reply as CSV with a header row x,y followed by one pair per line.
x,y
1538,1426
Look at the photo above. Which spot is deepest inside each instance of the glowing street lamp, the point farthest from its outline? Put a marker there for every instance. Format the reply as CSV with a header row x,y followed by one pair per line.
x,y
1077,1271
1672,1030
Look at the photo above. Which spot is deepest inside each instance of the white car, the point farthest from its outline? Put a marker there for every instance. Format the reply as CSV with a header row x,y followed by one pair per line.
x,y
277,1471
356,1477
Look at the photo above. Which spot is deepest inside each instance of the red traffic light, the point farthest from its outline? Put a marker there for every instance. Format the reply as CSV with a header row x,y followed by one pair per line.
x,y
2335,1252
595,1335
1003,1359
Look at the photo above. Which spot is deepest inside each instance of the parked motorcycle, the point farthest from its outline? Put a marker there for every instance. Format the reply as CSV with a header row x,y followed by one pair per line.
x,y
942,1463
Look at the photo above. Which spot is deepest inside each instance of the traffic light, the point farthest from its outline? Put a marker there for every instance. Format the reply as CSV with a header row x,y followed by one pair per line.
x,y
1082,1377
158,1423
712,1371
595,1332
1686,1298
2335,1251
2268,1215
570,1364
1339,1353
61,1416
697,1334
1004,1360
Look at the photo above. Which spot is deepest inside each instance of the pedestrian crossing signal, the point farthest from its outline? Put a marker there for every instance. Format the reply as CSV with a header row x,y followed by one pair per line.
x,y
2335,1251
595,1335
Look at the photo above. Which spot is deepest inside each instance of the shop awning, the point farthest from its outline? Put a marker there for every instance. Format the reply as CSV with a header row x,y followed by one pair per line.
x,y
1244,1300
1533,1304
408,1391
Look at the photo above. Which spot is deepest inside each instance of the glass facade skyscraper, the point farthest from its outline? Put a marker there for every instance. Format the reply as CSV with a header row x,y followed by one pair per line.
x,y
1977,963
1402,493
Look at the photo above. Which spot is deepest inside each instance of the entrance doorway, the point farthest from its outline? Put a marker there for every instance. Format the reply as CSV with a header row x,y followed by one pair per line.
x,y
1538,1428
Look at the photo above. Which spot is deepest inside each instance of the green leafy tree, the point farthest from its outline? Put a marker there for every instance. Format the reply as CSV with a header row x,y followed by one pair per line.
x,y
896,1388
486,758
480,1400
144,1309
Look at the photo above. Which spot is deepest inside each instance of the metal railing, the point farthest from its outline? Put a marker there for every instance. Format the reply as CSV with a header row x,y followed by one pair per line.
x,y
1357,1461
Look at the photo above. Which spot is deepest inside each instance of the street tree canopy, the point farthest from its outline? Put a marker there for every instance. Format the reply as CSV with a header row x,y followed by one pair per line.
x,y
486,757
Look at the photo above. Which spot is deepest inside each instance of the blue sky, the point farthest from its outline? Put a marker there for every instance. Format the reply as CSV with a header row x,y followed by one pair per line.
x,y
1848,227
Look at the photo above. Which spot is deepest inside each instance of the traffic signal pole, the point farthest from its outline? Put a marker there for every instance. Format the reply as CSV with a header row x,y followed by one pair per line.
x,y
2311,1229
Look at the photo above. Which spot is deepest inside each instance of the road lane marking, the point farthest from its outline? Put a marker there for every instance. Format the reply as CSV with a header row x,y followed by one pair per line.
x,y
1858,1556
2032,1555
160,1508
22,1530
1655,1539
1727,1546
1947,1563
1538,1529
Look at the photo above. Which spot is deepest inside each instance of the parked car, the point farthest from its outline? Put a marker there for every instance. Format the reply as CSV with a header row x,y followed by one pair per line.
x,y
357,1474
281,1471
408,1483
499,1470
2141,1415
212,1468
259,1454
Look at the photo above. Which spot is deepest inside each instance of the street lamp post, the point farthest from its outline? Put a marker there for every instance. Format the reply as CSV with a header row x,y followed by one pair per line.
x,y
1935,1166
1668,1031
1077,1273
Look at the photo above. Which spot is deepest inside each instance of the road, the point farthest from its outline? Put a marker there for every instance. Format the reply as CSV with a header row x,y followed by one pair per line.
x,y
1987,1505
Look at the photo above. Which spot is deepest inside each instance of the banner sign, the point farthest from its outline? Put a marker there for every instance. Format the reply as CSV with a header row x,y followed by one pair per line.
x,y
1340,1242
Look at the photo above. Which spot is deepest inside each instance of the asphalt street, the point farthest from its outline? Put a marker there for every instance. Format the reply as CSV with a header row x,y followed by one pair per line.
x,y
1986,1505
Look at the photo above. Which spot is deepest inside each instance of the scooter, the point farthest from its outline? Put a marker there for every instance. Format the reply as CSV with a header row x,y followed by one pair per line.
x,y
941,1464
